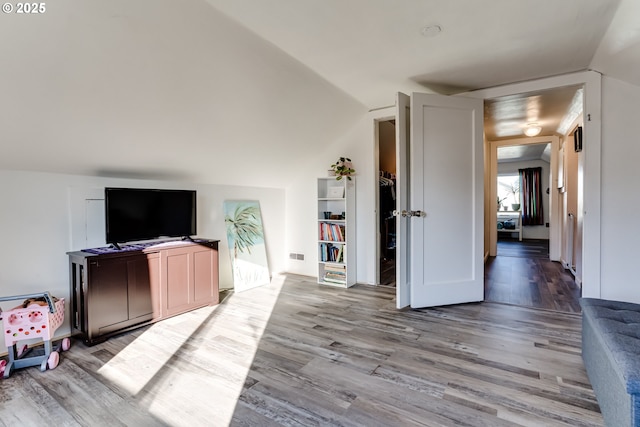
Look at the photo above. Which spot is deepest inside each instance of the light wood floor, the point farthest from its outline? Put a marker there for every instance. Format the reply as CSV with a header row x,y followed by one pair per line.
x,y
297,354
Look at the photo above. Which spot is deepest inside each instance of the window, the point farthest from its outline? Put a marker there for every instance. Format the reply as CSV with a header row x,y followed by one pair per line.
x,y
509,192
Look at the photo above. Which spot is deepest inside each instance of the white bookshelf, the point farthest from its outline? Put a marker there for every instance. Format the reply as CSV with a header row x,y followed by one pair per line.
x,y
336,232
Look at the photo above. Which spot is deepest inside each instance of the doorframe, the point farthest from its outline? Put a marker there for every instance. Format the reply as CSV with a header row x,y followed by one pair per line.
x,y
555,242
591,206
378,116
591,190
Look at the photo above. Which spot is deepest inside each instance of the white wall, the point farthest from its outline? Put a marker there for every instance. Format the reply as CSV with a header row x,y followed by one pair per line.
x,y
532,231
159,89
357,144
39,222
620,175
620,201
618,54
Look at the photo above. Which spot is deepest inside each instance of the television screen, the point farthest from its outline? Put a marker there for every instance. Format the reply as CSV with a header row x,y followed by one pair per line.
x,y
143,214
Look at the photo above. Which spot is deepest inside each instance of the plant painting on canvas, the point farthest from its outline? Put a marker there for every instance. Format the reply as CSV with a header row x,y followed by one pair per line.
x,y
247,249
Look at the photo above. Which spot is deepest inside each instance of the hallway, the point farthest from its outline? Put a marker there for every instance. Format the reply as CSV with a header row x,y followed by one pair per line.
x,y
522,274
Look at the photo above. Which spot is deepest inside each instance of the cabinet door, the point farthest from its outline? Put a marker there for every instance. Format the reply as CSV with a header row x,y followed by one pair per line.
x,y
139,288
108,294
203,273
154,284
189,278
120,292
176,281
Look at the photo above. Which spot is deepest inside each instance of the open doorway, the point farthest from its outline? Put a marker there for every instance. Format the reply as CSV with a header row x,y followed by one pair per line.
x,y
589,173
386,223
527,241
524,175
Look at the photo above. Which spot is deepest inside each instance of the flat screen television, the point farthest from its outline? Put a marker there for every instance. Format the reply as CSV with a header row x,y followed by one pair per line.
x,y
134,214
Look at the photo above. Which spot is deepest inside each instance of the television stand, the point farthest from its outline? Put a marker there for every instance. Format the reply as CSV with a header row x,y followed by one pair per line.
x,y
116,246
113,292
188,239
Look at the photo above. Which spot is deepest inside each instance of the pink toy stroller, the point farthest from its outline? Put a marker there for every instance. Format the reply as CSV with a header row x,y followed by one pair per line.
x,y
34,321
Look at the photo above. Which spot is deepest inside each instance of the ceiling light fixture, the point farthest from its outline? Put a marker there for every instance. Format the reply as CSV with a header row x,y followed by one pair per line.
x,y
431,30
532,129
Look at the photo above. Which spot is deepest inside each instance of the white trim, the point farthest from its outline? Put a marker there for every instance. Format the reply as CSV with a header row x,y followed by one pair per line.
x,y
375,117
591,208
555,215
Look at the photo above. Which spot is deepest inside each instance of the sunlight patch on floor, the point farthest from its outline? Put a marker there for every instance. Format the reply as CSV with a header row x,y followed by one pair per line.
x,y
174,357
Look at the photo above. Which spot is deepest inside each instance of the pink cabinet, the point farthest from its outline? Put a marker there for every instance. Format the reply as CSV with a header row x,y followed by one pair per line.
x,y
189,278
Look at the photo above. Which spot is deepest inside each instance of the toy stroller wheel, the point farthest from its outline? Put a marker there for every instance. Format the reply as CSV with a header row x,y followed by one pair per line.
x,y
54,359
66,344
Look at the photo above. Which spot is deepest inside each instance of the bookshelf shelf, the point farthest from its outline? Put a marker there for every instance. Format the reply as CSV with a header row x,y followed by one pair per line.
x,y
335,228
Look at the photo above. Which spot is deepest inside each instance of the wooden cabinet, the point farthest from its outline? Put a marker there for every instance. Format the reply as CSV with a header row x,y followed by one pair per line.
x,y
122,286
116,291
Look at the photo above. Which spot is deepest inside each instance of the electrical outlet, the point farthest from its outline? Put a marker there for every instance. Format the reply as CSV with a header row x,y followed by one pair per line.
x,y
547,225
293,256
300,257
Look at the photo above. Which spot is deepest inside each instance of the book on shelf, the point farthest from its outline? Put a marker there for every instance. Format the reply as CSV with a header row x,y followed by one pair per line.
x,y
335,278
335,273
331,232
331,253
341,282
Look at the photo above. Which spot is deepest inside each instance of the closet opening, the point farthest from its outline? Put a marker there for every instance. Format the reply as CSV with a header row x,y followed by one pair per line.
x,y
386,221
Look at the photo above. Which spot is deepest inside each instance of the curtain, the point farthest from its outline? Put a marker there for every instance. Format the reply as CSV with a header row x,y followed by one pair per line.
x,y
531,189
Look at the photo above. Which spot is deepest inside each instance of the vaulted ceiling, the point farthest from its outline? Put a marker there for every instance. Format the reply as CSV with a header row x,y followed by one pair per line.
x,y
149,89
373,48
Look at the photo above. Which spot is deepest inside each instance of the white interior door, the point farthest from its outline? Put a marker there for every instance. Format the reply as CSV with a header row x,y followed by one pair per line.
x,y
446,200
403,290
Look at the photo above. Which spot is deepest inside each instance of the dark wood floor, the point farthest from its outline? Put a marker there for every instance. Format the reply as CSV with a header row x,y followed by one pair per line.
x,y
527,248
388,272
295,353
522,274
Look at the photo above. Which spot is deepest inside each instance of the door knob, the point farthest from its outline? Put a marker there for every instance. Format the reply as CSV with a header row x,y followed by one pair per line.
x,y
404,213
